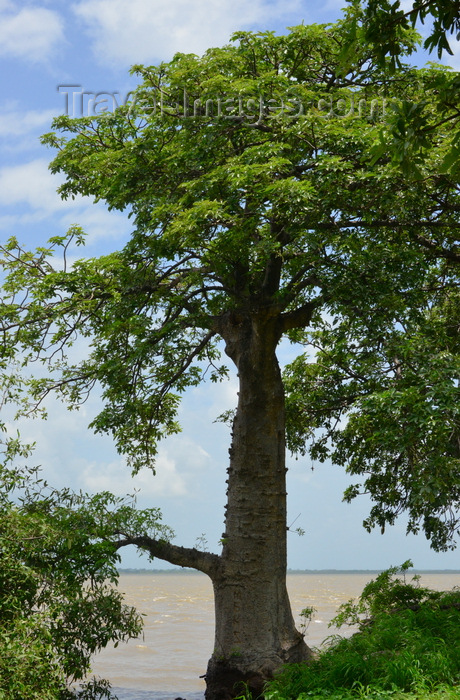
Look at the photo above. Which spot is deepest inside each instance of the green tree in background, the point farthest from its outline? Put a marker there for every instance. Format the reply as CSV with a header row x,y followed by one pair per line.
x,y
58,601
257,214
383,25
387,408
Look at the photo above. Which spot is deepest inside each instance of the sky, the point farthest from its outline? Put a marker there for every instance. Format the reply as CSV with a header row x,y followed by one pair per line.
x,y
58,57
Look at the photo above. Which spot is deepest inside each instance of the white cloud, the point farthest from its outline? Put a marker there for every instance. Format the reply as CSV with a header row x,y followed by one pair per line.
x,y
218,397
14,122
20,129
144,31
98,224
30,33
32,184
72,455
115,477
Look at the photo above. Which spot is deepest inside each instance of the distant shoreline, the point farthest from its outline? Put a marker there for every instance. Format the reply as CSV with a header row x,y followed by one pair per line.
x,y
181,571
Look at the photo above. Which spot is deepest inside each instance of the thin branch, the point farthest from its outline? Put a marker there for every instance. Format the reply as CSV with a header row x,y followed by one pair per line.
x,y
439,250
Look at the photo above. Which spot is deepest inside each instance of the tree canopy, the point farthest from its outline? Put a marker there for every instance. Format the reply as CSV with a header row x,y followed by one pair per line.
x,y
387,407
248,179
383,26
386,22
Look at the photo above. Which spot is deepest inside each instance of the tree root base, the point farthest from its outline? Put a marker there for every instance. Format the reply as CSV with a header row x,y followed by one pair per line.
x,y
227,680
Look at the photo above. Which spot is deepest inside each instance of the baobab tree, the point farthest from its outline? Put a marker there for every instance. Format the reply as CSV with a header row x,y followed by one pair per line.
x,y
257,207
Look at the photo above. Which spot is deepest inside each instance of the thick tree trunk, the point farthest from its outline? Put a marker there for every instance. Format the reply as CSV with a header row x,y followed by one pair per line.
x,y
255,631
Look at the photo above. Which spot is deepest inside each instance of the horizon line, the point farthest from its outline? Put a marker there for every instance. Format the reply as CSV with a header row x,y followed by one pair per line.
x,y
183,570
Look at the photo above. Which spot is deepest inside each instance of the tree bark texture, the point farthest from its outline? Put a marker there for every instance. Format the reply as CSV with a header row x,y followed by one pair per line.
x,y
255,631
254,628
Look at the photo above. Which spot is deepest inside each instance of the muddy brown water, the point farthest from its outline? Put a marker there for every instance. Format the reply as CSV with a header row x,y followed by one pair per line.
x,y
168,660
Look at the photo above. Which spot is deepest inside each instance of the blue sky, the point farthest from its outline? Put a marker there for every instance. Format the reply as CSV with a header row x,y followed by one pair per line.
x,y
56,54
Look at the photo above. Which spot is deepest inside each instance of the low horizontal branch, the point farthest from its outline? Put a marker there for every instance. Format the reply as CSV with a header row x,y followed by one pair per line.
x,y
189,557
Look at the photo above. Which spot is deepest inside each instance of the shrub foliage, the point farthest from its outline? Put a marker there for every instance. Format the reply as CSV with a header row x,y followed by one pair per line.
x,y
408,641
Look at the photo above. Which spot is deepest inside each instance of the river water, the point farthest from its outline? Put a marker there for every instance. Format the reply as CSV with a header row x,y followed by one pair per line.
x,y
168,660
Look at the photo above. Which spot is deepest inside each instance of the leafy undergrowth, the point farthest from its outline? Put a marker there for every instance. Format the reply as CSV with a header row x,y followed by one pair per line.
x,y
407,647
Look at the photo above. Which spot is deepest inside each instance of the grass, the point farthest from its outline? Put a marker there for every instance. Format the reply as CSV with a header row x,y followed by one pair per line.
x,y
441,693
407,648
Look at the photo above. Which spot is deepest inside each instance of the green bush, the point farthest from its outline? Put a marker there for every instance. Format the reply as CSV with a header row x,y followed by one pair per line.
x,y
408,642
58,599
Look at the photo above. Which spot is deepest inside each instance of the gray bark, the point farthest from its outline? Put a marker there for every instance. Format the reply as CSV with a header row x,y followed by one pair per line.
x,y
255,631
